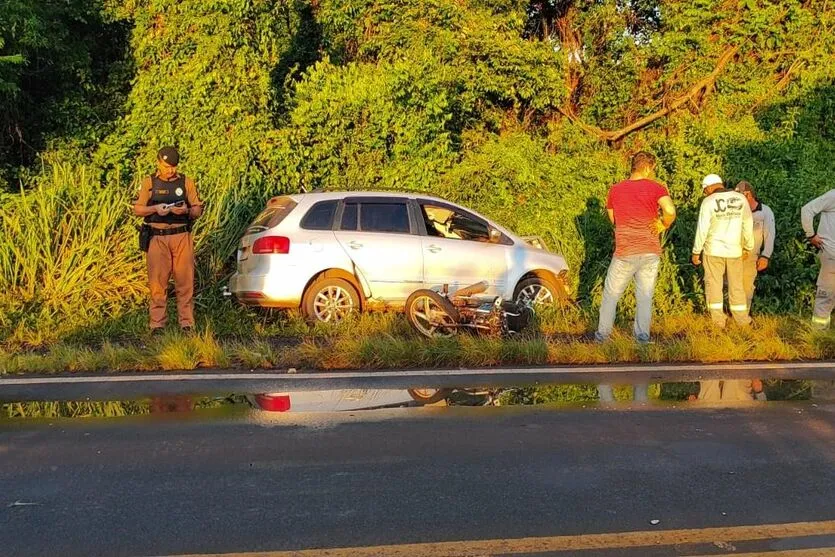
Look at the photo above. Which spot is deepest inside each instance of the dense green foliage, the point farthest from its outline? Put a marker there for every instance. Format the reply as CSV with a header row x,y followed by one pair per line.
x,y
526,111
63,75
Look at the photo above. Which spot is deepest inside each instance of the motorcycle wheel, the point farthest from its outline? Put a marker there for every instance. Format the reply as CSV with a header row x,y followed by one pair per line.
x,y
428,396
431,314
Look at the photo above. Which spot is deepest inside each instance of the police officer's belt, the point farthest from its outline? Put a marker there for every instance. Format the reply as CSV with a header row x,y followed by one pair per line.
x,y
168,231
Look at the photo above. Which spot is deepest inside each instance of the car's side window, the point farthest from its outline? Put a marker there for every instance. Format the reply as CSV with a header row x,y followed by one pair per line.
x,y
384,217
320,216
444,222
350,216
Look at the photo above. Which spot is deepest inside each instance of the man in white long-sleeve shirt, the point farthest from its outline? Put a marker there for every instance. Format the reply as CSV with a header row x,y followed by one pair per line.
x,y
824,240
764,232
726,235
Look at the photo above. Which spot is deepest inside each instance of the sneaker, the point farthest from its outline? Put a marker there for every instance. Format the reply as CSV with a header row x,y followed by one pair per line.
x,y
187,330
157,331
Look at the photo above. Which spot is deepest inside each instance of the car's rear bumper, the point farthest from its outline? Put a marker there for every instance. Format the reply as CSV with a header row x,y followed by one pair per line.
x,y
266,290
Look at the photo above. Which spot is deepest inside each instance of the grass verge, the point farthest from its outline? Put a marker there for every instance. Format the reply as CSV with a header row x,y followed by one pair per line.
x,y
385,341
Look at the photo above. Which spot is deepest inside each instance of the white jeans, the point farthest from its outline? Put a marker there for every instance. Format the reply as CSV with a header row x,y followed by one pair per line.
x,y
825,295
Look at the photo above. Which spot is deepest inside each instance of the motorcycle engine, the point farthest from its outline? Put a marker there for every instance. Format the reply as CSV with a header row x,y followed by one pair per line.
x,y
490,318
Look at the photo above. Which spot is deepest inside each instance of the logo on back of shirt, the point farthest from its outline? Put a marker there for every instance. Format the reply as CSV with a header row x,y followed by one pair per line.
x,y
732,205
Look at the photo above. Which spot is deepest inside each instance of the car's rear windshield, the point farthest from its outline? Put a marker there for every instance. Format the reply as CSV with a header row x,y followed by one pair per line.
x,y
277,209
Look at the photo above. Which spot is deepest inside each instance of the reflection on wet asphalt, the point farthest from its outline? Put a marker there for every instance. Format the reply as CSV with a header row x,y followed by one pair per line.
x,y
714,392
302,401
233,478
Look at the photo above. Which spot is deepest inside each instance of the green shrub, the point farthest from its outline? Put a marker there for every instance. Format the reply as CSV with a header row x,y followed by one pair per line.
x,y
497,104
205,83
367,126
68,256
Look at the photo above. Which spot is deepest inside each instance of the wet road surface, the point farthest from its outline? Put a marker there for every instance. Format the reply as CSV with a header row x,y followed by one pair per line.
x,y
510,481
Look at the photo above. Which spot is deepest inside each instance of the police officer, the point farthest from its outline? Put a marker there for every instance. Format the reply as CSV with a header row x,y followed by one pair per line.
x,y
169,203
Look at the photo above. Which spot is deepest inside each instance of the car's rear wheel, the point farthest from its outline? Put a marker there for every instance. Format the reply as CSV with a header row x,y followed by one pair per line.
x,y
330,300
429,396
538,291
431,314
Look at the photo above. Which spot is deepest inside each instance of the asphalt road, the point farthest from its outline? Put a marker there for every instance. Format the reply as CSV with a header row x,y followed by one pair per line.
x,y
511,481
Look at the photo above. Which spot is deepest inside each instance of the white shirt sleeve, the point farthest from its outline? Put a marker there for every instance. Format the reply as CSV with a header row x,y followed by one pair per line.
x,y
826,202
705,216
769,232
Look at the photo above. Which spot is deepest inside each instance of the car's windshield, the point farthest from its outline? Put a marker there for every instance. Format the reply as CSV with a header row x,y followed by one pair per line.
x,y
455,225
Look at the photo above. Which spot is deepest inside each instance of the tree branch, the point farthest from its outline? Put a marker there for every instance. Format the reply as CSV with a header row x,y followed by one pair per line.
x,y
697,92
781,83
571,46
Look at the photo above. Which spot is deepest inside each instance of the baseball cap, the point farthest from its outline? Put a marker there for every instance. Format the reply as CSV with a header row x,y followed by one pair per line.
x,y
711,180
169,155
744,187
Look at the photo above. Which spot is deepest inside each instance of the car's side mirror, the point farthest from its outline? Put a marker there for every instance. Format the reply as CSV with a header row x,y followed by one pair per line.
x,y
495,235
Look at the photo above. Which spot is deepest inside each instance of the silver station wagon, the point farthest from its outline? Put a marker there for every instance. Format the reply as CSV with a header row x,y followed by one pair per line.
x,y
329,254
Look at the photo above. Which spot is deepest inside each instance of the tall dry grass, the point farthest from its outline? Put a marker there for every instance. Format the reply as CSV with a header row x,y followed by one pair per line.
x,y
68,255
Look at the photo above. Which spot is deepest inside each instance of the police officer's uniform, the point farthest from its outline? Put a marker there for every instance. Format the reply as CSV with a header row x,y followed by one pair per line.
x,y
170,251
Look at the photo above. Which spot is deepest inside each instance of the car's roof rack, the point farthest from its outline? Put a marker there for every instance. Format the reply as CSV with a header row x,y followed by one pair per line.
x,y
303,189
374,190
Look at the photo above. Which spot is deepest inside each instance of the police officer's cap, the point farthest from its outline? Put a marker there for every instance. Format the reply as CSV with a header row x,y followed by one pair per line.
x,y
169,155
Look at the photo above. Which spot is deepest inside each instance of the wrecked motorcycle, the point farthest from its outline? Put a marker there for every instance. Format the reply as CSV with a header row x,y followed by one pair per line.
x,y
441,314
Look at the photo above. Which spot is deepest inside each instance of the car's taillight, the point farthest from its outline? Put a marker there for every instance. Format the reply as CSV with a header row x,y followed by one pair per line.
x,y
271,244
273,403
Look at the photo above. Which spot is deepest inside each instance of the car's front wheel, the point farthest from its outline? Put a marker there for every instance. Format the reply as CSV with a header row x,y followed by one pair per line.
x,y
538,291
330,300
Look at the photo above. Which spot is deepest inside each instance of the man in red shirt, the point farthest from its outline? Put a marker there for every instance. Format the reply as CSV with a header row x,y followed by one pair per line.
x,y
633,206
